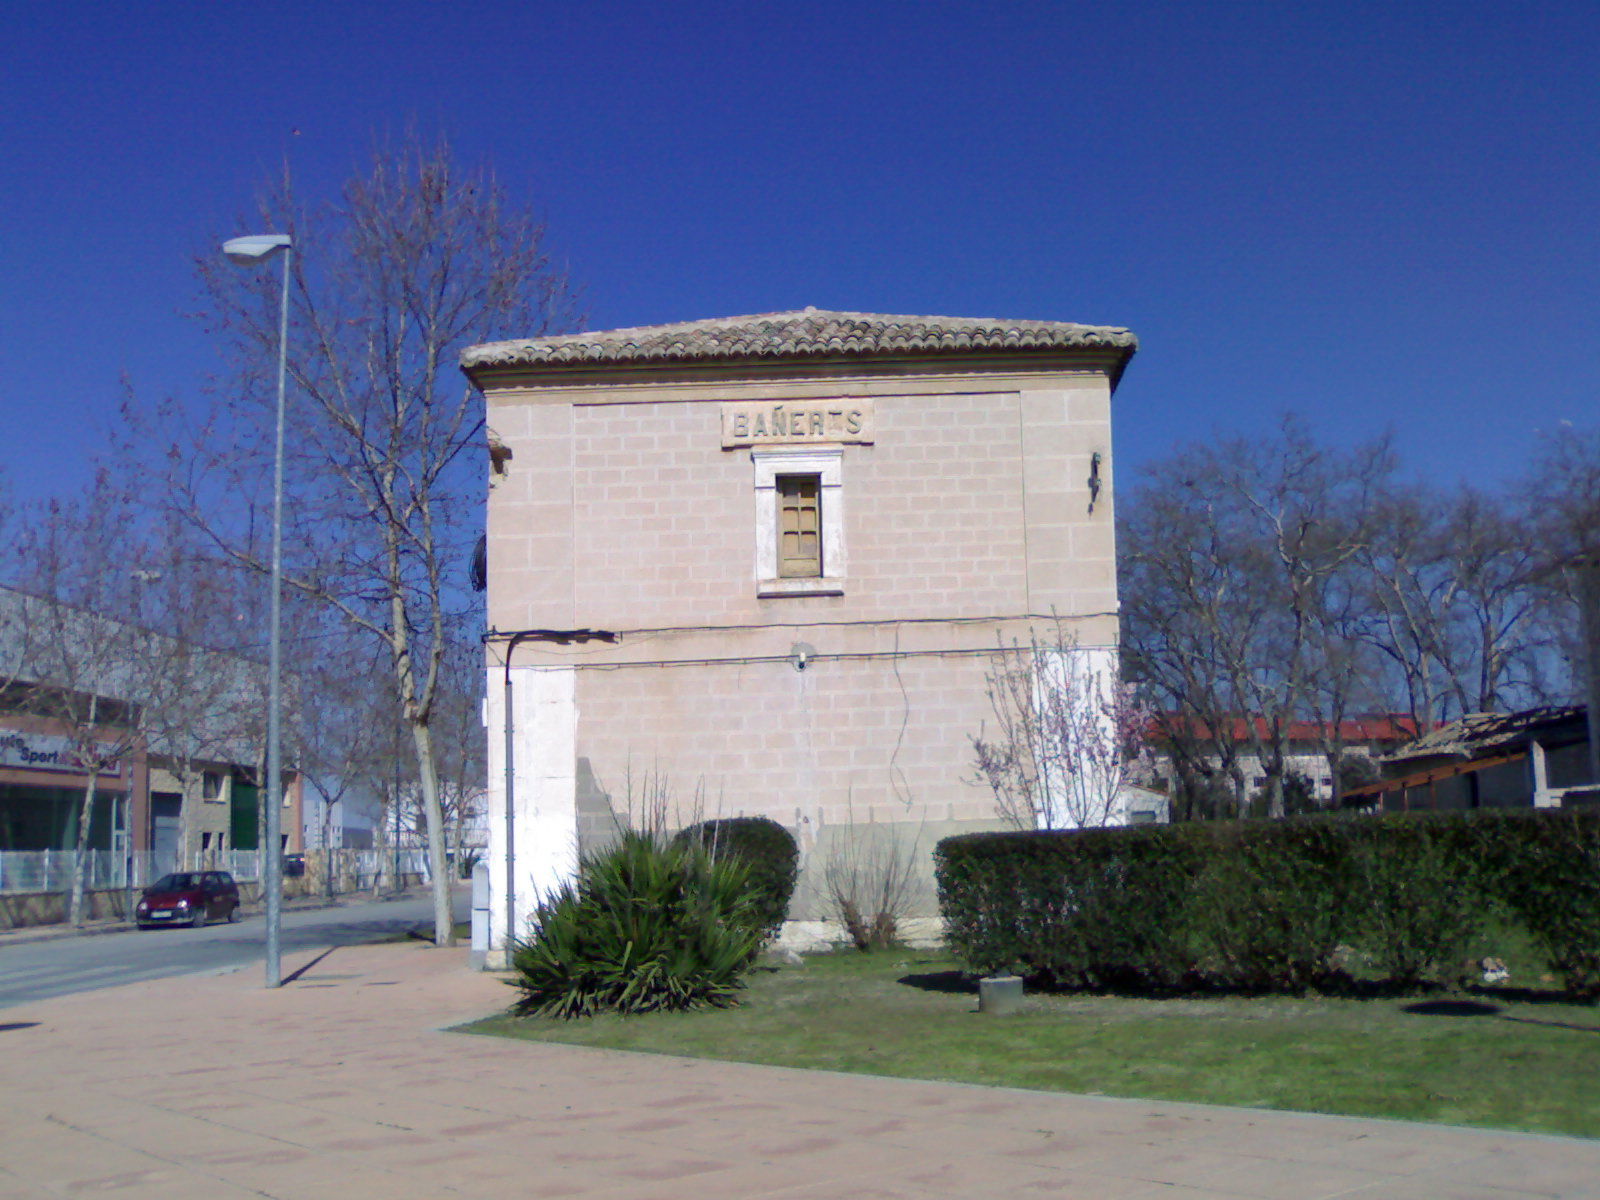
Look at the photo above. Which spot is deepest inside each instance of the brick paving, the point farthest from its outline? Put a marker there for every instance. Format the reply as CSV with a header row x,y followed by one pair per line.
x,y
344,1085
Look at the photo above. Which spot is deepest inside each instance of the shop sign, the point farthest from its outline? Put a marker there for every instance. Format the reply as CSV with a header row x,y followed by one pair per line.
x,y
52,752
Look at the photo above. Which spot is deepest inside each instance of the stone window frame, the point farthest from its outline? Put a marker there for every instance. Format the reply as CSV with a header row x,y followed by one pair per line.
x,y
827,464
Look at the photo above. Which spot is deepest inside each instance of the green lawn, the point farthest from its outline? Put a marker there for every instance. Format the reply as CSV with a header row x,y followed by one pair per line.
x,y
1507,1061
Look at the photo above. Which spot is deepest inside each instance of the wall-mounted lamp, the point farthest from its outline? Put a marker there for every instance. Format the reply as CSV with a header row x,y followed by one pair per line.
x,y
1094,479
802,653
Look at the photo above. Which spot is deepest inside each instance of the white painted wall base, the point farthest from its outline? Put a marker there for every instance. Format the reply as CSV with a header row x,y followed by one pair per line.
x,y
813,937
544,732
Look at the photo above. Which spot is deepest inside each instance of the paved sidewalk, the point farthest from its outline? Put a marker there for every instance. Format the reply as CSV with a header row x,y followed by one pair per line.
x,y
341,1085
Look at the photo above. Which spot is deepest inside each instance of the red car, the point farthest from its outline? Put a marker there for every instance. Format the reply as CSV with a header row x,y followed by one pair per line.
x,y
188,898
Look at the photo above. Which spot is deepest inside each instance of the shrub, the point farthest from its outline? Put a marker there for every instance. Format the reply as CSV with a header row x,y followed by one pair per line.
x,y
1272,902
1089,909
1418,894
1546,868
767,849
869,878
647,926
1266,905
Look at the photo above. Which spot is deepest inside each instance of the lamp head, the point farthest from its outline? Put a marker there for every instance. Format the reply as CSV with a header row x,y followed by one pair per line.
x,y
255,247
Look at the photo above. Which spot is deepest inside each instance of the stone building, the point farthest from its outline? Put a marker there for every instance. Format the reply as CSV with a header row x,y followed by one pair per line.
x,y
762,565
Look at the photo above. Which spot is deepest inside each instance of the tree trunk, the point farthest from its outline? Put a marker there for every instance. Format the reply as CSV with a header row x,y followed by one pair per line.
x,y
428,777
1275,795
328,864
381,849
458,830
1241,796
80,861
85,818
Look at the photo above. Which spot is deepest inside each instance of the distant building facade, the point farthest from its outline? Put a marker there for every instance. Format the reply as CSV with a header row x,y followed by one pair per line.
x,y
762,565
1305,748
164,797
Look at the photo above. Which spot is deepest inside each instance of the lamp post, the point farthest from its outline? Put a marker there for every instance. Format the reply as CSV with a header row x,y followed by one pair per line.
x,y
248,250
142,577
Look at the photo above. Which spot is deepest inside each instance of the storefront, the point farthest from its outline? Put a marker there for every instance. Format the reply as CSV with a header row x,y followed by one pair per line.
x,y
42,787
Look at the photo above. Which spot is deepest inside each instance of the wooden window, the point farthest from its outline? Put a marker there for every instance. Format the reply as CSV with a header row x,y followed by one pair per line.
x,y
799,521
799,526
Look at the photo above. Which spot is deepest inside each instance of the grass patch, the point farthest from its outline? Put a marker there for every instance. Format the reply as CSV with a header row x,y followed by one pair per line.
x,y
1504,1059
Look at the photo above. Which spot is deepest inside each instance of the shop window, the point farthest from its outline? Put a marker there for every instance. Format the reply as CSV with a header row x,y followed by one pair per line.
x,y
799,514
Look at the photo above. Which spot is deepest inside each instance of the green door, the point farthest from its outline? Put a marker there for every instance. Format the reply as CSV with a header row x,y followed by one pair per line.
x,y
243,833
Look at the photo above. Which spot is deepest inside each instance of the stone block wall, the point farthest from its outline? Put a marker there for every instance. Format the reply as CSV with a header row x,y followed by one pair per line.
x,y
968,520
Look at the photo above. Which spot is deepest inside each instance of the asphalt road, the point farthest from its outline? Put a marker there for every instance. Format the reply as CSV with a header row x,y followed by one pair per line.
x,y
38,970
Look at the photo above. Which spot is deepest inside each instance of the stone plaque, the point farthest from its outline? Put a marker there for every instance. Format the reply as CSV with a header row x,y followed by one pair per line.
x,y
752,423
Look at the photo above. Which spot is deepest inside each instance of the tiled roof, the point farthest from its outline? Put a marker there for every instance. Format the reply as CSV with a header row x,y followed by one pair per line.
x,y
1479,734
805,333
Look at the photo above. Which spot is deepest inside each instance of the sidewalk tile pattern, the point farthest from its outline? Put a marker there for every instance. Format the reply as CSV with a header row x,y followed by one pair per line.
x,y
344,1085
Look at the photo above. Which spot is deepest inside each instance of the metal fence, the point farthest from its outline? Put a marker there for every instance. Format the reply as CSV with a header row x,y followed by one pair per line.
x,y
52,870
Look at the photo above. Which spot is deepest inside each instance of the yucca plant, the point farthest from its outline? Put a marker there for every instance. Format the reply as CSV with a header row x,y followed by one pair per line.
x,y
648,926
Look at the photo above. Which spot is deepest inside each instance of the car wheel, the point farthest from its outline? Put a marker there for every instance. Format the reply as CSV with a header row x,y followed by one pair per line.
x,y
198,921
233,914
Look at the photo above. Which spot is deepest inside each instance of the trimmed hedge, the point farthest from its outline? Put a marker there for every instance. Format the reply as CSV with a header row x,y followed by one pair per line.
x,y
1548,875
1419,892
769,852
1271,905
1267,909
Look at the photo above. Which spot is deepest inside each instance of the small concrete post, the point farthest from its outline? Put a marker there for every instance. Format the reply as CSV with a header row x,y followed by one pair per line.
x,y
1541,777
480,916
1000,995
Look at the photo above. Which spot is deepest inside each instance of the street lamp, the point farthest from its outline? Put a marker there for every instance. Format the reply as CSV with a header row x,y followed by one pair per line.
x,y
248,250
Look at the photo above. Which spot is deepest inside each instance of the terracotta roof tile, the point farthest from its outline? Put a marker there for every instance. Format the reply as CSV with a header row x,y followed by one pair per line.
x,y
804,333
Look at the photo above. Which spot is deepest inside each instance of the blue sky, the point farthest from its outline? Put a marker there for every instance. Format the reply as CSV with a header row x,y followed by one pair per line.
x,y
1375,215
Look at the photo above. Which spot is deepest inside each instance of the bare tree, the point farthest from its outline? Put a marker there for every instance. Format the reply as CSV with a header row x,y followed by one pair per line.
x,y
204,701
1408,598
1564,496
1451,602
344,733
1184,617
1069,734
415,260
1237,583
85,668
